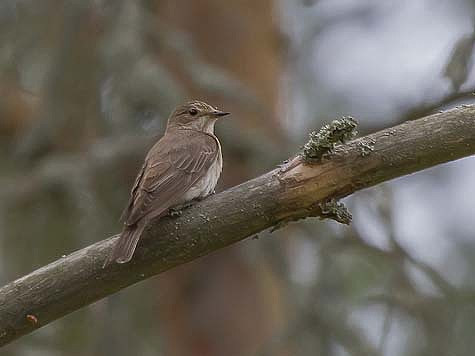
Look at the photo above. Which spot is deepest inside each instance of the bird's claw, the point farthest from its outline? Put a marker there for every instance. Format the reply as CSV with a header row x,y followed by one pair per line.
x,y
174,212
177,210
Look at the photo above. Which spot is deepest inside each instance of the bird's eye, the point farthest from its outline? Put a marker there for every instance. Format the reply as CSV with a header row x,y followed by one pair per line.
x,y
193,111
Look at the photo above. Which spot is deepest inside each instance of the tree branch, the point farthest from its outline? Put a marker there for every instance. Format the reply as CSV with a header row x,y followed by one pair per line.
x,y
276,197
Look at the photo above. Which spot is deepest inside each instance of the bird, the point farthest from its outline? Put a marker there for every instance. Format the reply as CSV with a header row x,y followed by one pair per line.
x,y
183,165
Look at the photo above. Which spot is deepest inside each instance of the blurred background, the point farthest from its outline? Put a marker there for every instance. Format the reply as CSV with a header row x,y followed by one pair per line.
x,y
85,89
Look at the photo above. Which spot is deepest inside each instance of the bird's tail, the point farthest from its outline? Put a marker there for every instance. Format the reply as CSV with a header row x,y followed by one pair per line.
x,y
125,246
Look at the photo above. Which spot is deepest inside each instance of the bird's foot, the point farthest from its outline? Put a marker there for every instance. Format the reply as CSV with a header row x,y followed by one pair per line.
x,y
177,210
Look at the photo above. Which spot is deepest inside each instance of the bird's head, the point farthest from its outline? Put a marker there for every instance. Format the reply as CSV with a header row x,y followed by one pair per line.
x,y
195,115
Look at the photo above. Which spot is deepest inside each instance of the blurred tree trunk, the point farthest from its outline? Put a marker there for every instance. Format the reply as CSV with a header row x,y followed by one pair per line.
x,y
17,109
240,299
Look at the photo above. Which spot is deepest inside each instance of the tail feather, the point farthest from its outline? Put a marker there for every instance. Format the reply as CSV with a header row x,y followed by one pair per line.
x,y
125,246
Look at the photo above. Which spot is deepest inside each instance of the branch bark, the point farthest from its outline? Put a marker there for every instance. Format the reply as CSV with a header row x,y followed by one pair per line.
x,y
279,196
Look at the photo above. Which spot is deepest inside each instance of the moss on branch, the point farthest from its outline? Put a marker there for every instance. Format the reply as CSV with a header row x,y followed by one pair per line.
x,y
324,140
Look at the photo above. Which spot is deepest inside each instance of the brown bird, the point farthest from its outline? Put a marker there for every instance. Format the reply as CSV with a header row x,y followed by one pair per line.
x,y
183,165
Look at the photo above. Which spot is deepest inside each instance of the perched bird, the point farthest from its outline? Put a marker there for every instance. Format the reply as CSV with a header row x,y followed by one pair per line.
x,y
183,165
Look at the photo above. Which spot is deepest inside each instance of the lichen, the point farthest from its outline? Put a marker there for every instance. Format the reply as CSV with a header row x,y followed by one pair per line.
x,y
335,210
324,140
367,146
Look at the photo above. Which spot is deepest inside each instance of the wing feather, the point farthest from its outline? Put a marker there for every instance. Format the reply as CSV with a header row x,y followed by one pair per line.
x,y
171,167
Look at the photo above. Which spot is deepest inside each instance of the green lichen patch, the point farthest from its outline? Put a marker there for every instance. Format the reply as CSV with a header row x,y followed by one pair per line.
x,y
335,210
324,140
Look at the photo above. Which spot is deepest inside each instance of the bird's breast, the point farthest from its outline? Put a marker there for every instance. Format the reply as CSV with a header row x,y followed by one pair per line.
x,y
206,184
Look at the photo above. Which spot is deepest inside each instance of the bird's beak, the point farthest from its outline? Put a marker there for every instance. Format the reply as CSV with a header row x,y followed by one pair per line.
x,y
218,113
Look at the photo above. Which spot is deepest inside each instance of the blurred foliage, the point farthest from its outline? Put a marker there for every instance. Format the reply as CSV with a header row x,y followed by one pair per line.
x,y
85,89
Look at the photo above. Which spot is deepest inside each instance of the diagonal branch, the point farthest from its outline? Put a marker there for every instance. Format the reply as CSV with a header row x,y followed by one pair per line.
x,y
276,197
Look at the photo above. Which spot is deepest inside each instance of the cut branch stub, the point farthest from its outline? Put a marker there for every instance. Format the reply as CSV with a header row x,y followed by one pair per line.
x,y
322,142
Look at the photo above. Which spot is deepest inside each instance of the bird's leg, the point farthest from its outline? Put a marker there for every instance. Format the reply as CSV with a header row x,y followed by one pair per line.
x,y
177,210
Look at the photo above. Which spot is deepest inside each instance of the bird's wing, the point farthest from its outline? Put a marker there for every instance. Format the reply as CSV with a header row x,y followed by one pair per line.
x,y
171,167
133,193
